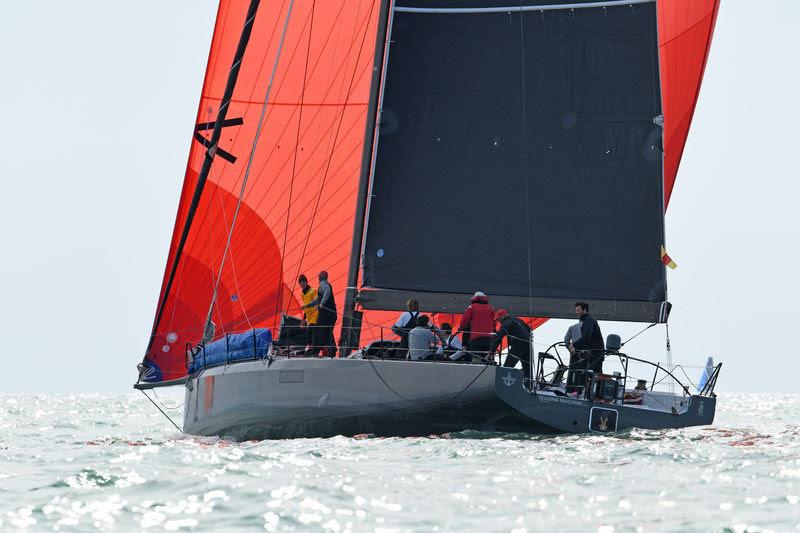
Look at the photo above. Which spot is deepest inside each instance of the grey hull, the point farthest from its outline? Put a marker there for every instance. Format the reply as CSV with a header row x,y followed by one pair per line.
x,y
580,416
326,397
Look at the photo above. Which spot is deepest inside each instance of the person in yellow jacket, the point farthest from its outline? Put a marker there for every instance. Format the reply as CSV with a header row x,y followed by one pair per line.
x,y
310,314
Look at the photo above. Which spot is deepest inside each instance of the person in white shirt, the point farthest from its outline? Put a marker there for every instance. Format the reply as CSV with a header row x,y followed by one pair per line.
x,y
406,322
451,348
422,340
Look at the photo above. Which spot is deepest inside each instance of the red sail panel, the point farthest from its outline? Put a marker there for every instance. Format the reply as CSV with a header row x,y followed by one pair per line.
x,y
685,28
299,200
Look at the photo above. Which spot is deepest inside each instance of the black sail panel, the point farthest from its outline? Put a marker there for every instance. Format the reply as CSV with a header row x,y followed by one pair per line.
x,y
518,155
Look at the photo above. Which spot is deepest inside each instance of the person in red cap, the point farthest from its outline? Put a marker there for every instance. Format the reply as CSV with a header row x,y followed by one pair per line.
x,y
477,323
519,341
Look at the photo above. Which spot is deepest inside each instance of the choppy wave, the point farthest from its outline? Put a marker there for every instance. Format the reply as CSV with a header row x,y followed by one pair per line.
x,y
85,462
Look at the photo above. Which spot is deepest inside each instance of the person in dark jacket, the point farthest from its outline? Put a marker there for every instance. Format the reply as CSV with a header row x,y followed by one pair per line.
x,y
322,336
519,340
477,323
586,350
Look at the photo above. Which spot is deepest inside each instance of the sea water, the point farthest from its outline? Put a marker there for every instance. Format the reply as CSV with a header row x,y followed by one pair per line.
x,y
112,462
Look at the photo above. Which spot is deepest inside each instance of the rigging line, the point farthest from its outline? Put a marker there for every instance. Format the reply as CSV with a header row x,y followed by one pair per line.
x,y
252,91
412,402
525,158
305,208
645,329
239,298
161,410
687,377
310,154
671,382
233,265
252,155
335,137
258,74
250,102
215,50
304,164
343,68
278,90
233,75
298,242
296,150
175,300
210,212
166,406
261,65
210,242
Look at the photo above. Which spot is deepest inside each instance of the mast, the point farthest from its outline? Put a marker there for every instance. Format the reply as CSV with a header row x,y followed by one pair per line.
x,y
209,157
351,324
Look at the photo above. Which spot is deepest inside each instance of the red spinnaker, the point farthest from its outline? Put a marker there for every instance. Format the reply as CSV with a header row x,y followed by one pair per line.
x,y
685,28
298,206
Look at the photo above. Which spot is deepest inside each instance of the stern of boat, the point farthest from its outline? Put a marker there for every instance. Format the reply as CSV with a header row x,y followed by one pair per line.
x,y
578,415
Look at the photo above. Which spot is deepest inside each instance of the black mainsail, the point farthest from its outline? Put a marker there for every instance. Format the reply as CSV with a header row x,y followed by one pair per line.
x,y
519,153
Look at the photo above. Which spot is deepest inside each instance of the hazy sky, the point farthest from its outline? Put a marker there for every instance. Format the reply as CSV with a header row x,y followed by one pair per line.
x,y
98,103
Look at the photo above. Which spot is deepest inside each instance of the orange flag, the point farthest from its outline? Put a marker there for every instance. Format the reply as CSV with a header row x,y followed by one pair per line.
x,y
667,260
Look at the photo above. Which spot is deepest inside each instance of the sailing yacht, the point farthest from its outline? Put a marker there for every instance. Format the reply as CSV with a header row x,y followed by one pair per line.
x,y
427,149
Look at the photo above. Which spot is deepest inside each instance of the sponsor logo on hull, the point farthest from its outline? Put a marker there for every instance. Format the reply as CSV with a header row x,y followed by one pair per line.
x,y
560,400
603,420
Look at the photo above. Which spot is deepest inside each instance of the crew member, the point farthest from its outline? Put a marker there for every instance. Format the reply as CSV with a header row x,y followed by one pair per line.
x,y
477,323
587,350
519,341
406,322
422,340
322,337
310,314
451,348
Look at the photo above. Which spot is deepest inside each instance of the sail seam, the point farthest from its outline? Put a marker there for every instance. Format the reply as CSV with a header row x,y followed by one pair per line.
x,y
294,162
291,104
269,157
265,194
333,143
